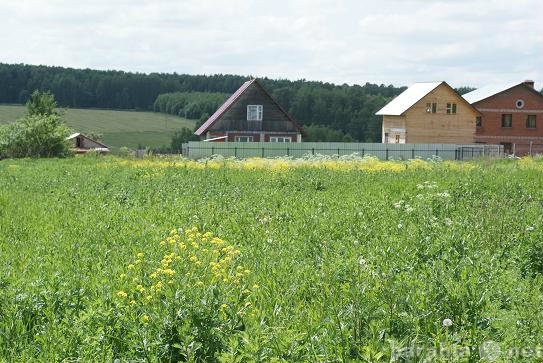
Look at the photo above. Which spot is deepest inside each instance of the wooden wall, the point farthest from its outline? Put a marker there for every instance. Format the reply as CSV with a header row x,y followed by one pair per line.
x,y
235,119
440,127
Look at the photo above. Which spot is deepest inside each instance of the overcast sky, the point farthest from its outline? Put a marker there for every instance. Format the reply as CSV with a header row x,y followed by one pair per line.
x,y
464,42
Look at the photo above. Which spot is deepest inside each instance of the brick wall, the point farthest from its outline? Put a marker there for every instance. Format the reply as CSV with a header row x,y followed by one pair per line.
x,y
492,109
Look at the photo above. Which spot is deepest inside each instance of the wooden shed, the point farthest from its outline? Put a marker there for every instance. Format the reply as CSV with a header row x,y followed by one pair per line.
x,y
82,144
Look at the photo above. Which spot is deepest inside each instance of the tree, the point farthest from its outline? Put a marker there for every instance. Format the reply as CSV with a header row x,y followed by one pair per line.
x,y
34,136
41,103
40,133
181,137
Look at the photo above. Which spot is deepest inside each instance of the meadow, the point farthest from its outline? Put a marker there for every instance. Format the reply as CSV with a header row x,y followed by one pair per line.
x,y
315,260
118,128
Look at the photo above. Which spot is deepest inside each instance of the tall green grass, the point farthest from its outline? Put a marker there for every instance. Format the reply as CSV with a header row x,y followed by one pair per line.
x,y
345,265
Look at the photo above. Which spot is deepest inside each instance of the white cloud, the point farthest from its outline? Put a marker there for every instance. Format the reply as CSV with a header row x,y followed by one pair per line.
x,y
465,42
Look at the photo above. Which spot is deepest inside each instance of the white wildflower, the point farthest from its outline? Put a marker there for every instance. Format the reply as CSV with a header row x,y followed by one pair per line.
x,y
447,322
448,221
530,228
400,226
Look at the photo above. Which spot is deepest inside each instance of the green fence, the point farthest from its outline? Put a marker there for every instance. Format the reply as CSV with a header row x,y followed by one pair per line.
x,y
201,149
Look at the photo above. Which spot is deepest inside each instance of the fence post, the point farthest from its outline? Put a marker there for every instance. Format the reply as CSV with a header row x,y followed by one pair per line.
x,y
514,149
313,151
386,153
212,150
413,153
531,142
288,151
362,152
236,152
338,152
437,152
262,151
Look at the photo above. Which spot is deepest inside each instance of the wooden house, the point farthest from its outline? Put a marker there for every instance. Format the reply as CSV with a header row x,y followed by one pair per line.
x,y
251,114
429,113
511,115
82,144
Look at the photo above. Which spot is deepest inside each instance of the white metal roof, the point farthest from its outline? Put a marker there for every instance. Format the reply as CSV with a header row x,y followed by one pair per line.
x,y
408,98
487,91
73,135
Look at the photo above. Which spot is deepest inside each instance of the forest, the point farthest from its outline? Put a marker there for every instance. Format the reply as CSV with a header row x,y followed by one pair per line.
x,y
340,109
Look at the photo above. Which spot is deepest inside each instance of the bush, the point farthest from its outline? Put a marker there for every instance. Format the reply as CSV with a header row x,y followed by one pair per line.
x,y
34,136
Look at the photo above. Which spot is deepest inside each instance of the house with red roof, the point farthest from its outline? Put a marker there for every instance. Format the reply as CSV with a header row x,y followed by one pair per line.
x,y
251,114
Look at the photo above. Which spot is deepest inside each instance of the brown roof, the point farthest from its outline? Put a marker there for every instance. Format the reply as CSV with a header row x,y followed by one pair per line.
x,y
232,99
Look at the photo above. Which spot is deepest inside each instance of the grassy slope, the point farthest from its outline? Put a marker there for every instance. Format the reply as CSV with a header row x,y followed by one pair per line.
x,y
119,128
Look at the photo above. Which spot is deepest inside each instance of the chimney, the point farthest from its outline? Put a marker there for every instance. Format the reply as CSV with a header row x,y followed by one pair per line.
x,y
529,83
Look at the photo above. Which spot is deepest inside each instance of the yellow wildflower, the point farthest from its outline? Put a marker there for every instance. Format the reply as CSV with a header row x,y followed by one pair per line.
x,y
140,255
130,267
122,294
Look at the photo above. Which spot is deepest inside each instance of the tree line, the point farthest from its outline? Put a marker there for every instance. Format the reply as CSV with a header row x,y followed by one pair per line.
x,y
345,108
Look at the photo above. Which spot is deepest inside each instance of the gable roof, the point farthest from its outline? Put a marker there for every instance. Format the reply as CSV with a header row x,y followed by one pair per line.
x,y
408,98
232,99
491,90
74,135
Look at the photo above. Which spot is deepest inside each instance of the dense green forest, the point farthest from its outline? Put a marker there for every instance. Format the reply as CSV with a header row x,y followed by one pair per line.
x,y
349,109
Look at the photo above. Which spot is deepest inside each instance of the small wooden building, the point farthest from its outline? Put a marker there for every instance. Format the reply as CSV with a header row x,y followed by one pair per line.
x,y
82,144
429,113
251,114
511,115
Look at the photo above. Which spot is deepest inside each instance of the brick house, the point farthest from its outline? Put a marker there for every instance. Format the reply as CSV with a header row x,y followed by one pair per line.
x,y
428,113
511,115
250,115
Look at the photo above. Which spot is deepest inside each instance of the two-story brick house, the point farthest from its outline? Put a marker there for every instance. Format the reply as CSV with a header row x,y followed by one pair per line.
x,y
251,114
511,115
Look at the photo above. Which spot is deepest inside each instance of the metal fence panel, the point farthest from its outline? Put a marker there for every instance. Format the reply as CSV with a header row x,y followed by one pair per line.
x,y
199,149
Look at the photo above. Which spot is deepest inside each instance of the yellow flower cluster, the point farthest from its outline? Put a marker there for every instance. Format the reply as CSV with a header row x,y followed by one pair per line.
x,y
367,164
190,259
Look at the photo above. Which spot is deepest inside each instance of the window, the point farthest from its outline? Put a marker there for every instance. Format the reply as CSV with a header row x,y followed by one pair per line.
x,y
254,112
431,107
280,139
530,121
386,137
451,108
397,139
478,121
244,139
519,103
507,120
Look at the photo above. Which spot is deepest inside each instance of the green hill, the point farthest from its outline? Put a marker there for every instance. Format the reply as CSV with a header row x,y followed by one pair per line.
x,y
119,128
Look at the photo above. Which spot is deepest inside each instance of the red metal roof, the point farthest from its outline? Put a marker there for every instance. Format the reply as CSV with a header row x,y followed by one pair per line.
x,y
230,101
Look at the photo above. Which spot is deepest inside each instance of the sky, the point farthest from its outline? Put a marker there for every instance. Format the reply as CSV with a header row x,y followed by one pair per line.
x,y
463,42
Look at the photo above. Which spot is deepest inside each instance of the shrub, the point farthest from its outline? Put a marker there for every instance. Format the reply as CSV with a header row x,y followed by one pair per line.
x,y
34,136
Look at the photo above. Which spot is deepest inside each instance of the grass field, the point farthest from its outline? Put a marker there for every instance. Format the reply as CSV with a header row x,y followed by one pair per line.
x,y
271,260
119,128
